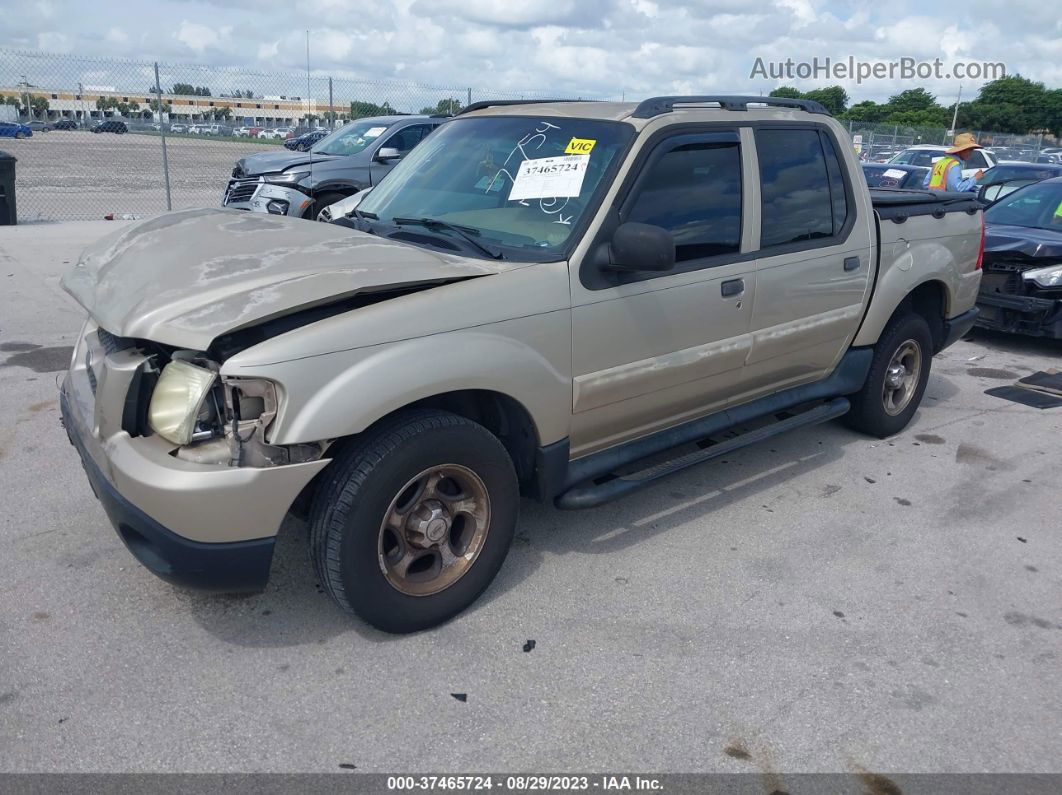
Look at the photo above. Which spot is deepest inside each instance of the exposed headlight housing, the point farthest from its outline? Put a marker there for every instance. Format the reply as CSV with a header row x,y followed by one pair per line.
x,y
1047,278
177,400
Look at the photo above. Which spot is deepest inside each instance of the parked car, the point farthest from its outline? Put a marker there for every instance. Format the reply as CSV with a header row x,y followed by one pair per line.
x,y
348,160
39,126
178,128
1007,176
303,142
1021,290
64,124
13,129
926,155
487,325
248,132
276,133
111,126
894,176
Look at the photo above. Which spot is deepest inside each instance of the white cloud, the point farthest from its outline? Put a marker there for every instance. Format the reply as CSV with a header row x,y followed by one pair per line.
x,y
53,41
117,36
268,50
198,37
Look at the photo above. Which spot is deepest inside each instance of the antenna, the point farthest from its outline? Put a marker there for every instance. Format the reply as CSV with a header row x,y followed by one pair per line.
x,y
310,150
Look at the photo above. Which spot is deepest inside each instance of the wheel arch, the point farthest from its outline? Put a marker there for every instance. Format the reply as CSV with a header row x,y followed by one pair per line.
x,y
929,298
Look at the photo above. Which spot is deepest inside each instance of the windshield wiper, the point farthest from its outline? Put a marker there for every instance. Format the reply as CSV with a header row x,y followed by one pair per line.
x,y
466,232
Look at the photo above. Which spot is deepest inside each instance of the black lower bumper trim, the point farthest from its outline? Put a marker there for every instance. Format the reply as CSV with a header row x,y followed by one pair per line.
x,y
1021,314
232,567
956,327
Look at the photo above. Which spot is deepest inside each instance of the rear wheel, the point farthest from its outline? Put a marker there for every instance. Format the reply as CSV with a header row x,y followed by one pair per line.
x,y
415,520
897,379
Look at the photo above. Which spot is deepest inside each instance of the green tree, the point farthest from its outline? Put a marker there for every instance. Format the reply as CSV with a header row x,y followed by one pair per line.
x,y
183,89
867,111
450,106
913,99
788,92
1012,104
154,105
833,98
360,109
39,105
223,113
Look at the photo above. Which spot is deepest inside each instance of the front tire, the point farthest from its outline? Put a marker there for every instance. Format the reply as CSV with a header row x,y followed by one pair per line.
x,y
415,520
897,379
320,202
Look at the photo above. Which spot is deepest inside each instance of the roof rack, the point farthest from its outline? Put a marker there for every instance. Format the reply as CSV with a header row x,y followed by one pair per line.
x,y
494,103
655,106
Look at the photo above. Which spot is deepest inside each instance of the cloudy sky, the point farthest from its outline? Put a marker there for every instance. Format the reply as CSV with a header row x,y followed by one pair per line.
x,y
602,48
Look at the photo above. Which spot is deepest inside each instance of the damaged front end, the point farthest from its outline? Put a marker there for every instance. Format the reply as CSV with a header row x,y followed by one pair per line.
x,y
1021,294
209,418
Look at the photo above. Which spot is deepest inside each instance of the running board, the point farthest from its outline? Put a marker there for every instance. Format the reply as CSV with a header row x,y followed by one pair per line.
x,y
594,494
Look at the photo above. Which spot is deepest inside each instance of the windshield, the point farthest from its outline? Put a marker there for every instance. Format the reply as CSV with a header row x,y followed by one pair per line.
x,y
351,138
1036,206
523,183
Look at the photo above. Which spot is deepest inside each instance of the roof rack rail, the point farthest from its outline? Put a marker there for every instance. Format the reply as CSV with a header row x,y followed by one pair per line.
x,y
494,103
655,106
440,115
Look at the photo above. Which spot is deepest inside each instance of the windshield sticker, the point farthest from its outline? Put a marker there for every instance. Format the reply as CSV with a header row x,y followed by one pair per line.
x,y
550,178
580,146
374,132
488,185
895,173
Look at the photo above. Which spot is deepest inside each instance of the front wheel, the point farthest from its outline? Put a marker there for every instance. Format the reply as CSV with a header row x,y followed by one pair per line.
x,y
20,135
321,201
897,379
415,520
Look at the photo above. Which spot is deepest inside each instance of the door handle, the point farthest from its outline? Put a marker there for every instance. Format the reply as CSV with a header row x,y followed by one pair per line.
x,y
732,287
851,263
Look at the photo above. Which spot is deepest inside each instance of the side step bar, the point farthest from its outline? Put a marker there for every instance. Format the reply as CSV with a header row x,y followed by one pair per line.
x,y
594,494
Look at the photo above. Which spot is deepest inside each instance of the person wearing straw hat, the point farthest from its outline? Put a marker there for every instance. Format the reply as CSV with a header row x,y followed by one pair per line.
x,y
946,173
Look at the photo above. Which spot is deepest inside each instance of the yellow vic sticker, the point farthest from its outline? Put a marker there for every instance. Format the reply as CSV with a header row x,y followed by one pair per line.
x,y
580,146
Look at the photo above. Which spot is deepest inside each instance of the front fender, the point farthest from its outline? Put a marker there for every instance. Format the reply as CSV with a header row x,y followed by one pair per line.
x,y
343,393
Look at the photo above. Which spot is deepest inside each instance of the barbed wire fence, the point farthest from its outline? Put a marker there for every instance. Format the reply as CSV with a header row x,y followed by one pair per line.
x,y
170,134
208,117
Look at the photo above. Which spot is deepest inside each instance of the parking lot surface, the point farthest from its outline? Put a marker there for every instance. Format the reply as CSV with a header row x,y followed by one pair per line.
x,y
80,174
821,602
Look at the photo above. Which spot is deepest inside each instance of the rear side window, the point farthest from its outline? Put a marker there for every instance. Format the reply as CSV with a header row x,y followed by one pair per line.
x,y
694,191
801,199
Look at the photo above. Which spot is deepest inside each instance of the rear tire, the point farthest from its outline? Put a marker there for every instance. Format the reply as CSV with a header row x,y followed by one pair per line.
x,y
896,381
401,551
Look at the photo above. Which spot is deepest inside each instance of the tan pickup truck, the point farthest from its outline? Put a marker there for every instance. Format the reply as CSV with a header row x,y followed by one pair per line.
x,y
567,301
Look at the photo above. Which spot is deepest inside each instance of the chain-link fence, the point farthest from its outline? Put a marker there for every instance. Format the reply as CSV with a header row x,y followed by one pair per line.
x,y
880,142
131,137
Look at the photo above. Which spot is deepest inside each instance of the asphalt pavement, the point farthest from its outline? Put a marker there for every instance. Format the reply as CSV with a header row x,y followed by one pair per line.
x,y
821,602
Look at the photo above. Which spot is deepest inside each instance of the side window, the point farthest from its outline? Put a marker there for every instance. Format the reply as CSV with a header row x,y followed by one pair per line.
x,y
903,157
977,160
796,198
694,191
405,139
837,194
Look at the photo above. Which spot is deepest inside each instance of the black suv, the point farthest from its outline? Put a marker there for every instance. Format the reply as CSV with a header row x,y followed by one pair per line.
x,y
111,125
65,124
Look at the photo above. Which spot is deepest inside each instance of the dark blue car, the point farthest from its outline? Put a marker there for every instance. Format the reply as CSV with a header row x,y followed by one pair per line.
x,y
11,129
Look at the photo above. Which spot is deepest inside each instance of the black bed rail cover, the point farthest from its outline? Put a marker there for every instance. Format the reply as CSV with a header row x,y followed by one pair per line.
x,y
893,204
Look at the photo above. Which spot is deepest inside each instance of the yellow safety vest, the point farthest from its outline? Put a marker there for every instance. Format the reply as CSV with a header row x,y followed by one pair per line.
x,y
938,180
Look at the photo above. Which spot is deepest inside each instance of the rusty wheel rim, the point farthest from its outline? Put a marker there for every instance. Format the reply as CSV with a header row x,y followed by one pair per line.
x,y
434,530
901,377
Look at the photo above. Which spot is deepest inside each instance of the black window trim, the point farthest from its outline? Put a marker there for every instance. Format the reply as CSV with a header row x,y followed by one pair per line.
x,y
841,237
592,273
398,130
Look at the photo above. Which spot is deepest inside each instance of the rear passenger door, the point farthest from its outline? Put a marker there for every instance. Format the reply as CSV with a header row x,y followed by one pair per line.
x,y
650,350
816,247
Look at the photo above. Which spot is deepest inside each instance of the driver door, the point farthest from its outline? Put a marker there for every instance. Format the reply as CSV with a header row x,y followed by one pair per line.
x,y
651,350
403,140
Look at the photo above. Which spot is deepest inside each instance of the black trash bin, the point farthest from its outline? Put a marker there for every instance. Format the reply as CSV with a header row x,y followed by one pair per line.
x,y
8,214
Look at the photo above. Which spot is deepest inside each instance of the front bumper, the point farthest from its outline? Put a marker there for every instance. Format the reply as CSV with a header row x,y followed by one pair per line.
x,y
196,525
254,195
1021,314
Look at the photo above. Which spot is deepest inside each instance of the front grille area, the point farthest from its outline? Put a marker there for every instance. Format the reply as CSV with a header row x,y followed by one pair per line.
x,y
1002,283
112,343
241,190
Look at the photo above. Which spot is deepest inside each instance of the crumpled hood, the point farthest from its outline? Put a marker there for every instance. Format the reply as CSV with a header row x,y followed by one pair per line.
x,y
273,162
1004,239
186,277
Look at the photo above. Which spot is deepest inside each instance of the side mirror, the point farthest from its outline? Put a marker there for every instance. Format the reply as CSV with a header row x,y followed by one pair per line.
x,y
642,247
387,153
